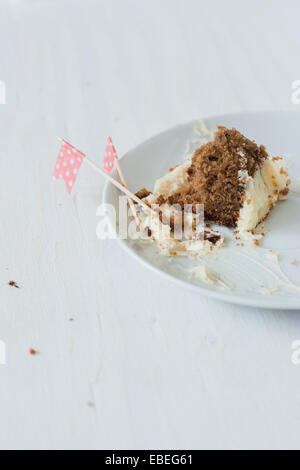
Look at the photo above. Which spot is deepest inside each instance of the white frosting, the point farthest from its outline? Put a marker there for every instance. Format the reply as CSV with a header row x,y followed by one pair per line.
x,y
267,290
201,273
262,192
173,181
243,177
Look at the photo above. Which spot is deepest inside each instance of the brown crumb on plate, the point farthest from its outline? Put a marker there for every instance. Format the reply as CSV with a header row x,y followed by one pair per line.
x,y
142,193
285,192
32,351
211,237
173,168
283,172
160,200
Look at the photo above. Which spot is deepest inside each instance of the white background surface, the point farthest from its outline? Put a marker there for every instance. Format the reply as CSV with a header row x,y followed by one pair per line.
x,y
164,367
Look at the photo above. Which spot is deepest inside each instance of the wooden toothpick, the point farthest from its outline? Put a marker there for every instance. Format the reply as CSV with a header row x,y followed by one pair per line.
x,y
131,204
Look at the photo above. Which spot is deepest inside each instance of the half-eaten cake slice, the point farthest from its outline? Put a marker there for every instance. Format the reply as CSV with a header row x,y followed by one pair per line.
x,y
235,179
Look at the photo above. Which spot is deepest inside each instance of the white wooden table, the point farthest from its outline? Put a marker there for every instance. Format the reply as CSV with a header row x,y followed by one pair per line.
x,y
143,364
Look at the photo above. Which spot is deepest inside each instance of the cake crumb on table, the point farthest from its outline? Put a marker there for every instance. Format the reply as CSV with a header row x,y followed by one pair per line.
x,y
32,351
13,284
295,262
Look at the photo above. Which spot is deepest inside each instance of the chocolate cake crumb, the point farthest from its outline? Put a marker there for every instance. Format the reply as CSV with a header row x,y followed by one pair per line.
x,y
173,168
211,237
13,284
32,351
160,200
142,193
285,192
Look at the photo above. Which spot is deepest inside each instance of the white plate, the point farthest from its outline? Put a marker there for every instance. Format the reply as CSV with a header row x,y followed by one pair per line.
x,y
279,132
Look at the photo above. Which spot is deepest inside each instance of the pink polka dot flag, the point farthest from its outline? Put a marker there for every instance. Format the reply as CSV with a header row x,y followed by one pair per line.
x,y
109,156
68,164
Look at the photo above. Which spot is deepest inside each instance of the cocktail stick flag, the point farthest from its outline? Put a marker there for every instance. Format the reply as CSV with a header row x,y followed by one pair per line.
x,y
109,156
71,158
68,164
109,160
